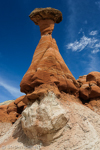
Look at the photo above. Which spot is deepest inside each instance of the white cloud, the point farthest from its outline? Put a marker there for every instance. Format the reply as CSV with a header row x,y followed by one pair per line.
x,y
93,33
97,45
82,43
13,90
95,51
98,3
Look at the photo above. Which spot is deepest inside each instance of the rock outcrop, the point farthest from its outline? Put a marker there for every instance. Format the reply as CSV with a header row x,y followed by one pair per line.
x,y
89,86
11,112
41,121
89,91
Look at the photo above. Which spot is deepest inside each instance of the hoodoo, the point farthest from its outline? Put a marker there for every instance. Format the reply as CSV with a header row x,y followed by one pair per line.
x,y
57,112
47,67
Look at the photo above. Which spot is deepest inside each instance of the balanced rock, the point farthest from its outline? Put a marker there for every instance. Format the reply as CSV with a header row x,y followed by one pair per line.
x,y
46,13
47,67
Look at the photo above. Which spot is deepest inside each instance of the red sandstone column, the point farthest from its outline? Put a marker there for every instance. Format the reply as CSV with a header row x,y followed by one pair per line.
x,y
47,66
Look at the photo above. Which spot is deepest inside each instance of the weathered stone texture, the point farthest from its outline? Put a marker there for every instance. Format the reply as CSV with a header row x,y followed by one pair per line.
x,y
48,67
41,121
45,13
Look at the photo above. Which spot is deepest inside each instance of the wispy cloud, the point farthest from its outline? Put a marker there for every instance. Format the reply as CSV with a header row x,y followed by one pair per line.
x,y
97,45
82,43
95,51
93,33
12,89
98,3
93,43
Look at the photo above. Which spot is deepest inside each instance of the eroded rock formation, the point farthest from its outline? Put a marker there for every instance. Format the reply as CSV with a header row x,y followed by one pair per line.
x,y
53,113
89,91
47,67
41,121
11,112
46,13
89,86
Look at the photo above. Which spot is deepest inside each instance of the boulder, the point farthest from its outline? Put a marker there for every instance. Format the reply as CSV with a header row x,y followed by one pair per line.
x,y
95,92
90,88
94,76
21,104
84,91
43,119
39,14
81,80
19,99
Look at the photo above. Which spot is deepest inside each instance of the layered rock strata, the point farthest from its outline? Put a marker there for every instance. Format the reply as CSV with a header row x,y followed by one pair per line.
x,y
47,67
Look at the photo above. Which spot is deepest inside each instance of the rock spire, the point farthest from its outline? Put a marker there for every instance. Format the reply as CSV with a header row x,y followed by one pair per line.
x,y
47,66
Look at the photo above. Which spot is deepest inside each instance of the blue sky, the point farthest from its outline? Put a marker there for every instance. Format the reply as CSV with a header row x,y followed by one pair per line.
x,y
77,36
